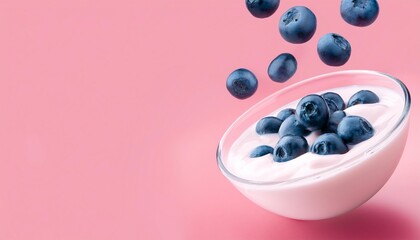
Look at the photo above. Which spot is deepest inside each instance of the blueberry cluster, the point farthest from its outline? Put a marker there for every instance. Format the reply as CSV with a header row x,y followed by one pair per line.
x,y
320,114
298,25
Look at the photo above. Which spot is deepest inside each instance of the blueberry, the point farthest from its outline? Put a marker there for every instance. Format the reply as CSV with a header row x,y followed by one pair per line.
x,y
282,68
329,143
242,83
335,119
262,8
363,97
285,113
290,147
334,101
268,125
354,129
298,24
291,126
359,13
333,49
261,151
312,111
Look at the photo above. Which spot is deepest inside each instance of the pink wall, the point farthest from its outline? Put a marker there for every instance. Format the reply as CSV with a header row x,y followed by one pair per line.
x,y
110,113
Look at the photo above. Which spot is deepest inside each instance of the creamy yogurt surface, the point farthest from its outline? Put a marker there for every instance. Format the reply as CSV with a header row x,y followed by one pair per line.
x,y
382,115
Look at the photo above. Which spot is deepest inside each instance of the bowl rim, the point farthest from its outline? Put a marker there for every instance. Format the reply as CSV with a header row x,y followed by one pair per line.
x,y
402,119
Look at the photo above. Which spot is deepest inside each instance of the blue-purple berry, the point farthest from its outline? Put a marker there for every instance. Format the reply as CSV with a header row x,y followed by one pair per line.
x,y
290,147
334,101
261,151
333,49
242,83
333,121
285,113
312,111
329,143
297,24
282,68
262,8
268,125
363,97
359,13
354,129
291,126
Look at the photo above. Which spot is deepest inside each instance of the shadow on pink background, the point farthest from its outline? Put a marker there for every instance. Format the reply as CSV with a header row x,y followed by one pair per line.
x,y
111,111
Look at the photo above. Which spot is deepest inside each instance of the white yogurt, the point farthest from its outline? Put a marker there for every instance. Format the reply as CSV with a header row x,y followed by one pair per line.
x,y
383,116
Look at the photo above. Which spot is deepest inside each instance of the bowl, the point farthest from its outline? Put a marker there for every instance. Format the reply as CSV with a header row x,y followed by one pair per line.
x,y
332,191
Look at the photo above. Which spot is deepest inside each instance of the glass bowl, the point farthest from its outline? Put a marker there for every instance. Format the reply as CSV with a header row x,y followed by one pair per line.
x,y
336,190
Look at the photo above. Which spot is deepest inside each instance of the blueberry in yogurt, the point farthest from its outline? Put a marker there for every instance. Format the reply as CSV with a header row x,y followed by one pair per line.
x,y
261,151
333,49
312,111
285,113
262,8
354,129
268,125
290,147
291,126
282,68
242,83
298,24
334,101
329,143
363,97
333,121
359,13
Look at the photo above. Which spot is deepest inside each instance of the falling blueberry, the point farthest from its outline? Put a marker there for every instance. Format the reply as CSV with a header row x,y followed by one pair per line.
x,y
262,8
261,151
359,13
329,143
290,147
282,68
298,24
312,111
268,125
363,97
242,83
354,129
333,49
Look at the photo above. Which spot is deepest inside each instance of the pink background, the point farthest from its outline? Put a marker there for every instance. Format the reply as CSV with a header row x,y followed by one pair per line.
x,y
111,111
